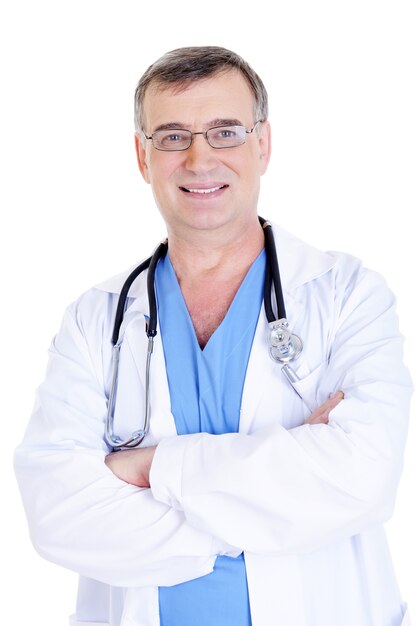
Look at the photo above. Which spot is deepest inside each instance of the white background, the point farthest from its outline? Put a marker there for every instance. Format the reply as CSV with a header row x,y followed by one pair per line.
x,y
341,78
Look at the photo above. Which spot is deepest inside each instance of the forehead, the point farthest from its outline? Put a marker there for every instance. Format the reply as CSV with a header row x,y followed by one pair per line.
x,y
225,95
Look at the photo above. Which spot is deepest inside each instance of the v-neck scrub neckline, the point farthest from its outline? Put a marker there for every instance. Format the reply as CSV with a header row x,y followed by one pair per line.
x,y
206,385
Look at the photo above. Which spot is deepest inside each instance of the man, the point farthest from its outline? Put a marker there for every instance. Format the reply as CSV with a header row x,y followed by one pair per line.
x,y
247,503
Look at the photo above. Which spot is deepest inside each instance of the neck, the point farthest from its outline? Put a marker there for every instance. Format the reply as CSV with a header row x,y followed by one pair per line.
x,y
208,257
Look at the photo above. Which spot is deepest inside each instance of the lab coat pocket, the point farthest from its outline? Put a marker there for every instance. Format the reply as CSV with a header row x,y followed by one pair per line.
x,y
309,386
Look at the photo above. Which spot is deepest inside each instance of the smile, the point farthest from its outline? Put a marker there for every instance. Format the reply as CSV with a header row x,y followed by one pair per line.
x,y
205,190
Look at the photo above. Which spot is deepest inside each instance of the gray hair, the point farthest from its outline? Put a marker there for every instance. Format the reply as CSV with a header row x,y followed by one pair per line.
x,y
178,68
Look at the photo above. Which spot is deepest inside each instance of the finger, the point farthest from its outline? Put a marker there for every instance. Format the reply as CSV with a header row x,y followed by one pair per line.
x,y
321,414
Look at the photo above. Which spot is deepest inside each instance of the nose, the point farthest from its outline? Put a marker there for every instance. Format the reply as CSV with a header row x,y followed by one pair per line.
x,y
200,156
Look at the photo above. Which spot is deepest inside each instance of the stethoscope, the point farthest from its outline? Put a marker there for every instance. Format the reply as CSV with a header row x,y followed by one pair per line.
x,y
284,346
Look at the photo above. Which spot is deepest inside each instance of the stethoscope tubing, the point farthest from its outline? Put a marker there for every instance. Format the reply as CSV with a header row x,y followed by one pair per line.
x,y
272,275
277,322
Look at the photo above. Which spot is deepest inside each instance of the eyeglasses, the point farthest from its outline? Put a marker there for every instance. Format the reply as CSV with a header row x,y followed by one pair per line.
x,y
174,139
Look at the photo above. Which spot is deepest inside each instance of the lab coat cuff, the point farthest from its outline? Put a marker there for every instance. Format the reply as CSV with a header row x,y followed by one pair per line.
x,y
165,476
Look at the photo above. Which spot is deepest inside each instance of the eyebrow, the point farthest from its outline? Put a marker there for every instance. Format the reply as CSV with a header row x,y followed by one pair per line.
x,y
218,121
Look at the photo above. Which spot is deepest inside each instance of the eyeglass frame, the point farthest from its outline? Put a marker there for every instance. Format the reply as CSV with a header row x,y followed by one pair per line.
x,y
204,133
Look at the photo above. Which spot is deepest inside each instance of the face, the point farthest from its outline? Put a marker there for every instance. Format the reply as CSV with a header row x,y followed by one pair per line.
x,y
233,173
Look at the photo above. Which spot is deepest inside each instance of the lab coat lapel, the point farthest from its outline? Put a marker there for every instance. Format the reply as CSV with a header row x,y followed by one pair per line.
x,y
162,422
263,375
265,385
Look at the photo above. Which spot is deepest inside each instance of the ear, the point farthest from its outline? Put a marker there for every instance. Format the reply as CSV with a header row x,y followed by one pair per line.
x,y
264,146
141,156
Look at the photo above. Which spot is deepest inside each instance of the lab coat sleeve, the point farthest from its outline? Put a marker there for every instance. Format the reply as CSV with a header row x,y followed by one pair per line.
x,y
80,515
297,490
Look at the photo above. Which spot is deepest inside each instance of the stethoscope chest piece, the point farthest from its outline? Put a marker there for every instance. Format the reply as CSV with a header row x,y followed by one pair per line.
x,y
284,345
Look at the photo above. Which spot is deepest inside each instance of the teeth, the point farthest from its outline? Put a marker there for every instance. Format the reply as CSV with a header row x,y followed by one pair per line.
x,y
205,190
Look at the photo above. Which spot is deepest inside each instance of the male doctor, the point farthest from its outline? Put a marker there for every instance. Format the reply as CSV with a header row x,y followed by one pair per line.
x,y
247,503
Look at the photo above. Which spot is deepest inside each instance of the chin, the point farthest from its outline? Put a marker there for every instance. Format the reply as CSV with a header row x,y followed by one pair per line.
x,y
210,219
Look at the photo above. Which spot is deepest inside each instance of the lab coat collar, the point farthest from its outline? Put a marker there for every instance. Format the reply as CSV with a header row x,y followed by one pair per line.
x,y
299,263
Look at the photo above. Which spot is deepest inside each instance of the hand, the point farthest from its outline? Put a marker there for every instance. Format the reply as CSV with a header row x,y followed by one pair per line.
x,y
132,466
321,414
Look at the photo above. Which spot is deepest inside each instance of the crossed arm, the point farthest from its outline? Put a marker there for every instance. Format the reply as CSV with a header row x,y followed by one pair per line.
x,y
133,466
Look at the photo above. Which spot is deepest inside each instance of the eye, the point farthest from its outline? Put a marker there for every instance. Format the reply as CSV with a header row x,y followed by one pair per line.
x,y
172,137
226,133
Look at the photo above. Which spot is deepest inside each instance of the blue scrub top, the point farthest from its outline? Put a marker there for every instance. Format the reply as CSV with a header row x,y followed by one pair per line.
x,y
206,392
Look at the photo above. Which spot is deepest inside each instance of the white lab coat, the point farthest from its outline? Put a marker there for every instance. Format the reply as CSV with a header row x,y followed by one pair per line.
x,y
306,503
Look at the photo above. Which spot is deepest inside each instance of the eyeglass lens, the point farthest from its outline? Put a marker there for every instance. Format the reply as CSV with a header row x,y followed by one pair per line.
x,y
219,137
